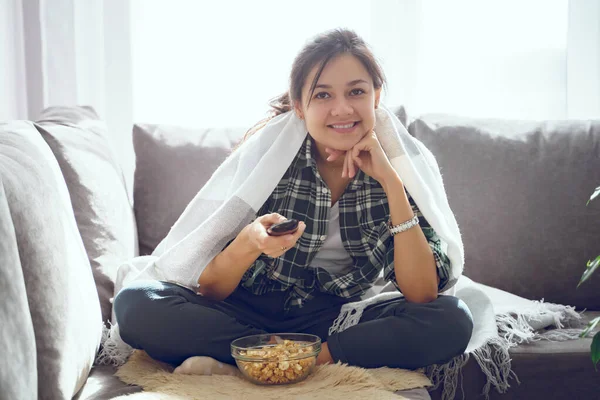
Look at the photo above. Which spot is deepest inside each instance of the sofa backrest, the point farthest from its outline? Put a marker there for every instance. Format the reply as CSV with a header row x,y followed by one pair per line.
x,y
519,191
46,262
80,142
172,165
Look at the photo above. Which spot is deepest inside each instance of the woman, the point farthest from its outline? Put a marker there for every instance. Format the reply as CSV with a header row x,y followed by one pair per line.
x,y
357,221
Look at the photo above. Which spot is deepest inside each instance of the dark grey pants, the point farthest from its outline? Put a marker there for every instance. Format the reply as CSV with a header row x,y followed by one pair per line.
x,y
172,323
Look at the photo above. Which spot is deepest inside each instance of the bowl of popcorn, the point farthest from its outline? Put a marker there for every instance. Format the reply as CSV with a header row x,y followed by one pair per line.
x,y
276,358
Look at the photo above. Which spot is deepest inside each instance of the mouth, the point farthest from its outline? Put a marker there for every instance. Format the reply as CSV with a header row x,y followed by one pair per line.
x,y
344,128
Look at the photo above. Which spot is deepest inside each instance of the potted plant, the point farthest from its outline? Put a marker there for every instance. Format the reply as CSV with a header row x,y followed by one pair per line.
x,y
592,265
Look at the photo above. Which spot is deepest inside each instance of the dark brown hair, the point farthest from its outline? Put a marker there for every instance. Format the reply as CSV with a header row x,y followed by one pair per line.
x,y
319,51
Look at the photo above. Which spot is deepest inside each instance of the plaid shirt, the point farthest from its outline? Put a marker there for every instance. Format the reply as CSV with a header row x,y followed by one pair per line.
x,y
364,213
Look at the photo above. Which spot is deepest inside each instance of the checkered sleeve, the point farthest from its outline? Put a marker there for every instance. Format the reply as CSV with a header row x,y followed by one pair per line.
x,y
437,245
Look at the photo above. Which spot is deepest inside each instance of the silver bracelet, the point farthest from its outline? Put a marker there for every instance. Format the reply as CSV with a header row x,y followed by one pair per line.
x,y
396,229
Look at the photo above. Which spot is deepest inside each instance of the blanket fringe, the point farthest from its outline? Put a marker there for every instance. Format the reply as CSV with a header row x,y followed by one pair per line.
x,y
495,362
113,350
494,358
560,335
514,329
448,374
563,316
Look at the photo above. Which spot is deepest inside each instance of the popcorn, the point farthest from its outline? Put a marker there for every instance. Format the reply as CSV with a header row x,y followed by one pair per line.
x,y
279,363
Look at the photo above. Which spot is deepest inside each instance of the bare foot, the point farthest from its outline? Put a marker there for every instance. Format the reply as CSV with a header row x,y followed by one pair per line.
x,y
324,356
205,366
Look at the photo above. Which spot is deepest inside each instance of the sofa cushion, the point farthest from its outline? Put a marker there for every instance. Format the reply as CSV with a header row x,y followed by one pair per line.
x,y
61,295
545,370
103,211
519,191
172,165
401,114
18,372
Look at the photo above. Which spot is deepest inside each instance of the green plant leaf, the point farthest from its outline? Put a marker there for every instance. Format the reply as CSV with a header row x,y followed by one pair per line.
x,y
591,267
594,195
595,350
590,327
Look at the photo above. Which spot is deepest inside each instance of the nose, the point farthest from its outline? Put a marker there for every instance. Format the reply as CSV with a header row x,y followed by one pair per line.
x,y
341,107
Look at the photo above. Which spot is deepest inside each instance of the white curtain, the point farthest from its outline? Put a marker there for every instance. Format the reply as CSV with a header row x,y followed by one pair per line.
x,y
189,62
69,52
13,96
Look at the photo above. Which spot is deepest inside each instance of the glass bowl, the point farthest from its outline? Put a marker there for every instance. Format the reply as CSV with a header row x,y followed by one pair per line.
x,y
276,358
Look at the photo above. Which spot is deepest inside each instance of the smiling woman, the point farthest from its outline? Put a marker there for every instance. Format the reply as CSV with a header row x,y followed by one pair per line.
x,y
357,222
335,86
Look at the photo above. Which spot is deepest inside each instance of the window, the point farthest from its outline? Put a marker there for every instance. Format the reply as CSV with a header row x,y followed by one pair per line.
x,y
194,62
219,63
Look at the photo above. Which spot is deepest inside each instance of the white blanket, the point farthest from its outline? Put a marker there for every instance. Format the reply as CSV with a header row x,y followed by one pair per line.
x,y
240,186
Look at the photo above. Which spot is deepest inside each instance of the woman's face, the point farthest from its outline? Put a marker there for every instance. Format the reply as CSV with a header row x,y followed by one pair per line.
x,y
342,108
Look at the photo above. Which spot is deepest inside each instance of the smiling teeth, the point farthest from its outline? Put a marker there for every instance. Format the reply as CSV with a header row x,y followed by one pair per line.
x,y
343,126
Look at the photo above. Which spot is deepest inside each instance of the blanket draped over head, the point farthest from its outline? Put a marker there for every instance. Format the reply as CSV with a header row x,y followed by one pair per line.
x,y
240,186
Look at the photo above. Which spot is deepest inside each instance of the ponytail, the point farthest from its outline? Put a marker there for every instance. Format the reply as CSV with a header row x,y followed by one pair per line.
x,y
279,105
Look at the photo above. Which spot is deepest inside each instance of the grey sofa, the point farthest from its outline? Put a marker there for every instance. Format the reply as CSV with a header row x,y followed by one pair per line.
x,y
518,189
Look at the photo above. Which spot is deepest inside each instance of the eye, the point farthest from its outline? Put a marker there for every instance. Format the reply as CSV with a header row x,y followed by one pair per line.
x,y
321,95
356,92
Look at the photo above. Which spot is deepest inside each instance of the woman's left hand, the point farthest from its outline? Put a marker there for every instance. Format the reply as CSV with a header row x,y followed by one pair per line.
x,y
368,155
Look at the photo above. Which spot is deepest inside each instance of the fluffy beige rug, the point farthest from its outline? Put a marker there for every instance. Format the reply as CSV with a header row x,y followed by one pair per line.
x,y
328,382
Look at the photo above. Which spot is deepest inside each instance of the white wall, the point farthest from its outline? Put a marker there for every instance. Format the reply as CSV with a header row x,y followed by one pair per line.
x,y
583,62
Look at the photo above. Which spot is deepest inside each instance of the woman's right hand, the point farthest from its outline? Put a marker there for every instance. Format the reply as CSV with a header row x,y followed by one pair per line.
x,y
273,246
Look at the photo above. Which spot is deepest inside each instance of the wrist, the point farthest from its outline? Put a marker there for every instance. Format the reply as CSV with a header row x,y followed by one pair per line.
x,y
392,182
247,245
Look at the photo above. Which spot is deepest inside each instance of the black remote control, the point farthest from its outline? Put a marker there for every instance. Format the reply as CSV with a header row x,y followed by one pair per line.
x,y
283,228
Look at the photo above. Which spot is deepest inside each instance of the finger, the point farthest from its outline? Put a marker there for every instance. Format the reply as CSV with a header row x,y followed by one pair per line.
x,y
346,166
282,249
290,239
351,164
275,252
355,151
283,243
299,232
276,244
334,154
273,218
357,160
363,145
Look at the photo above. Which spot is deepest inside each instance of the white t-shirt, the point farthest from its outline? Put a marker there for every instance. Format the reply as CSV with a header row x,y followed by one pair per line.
x,y
332,256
